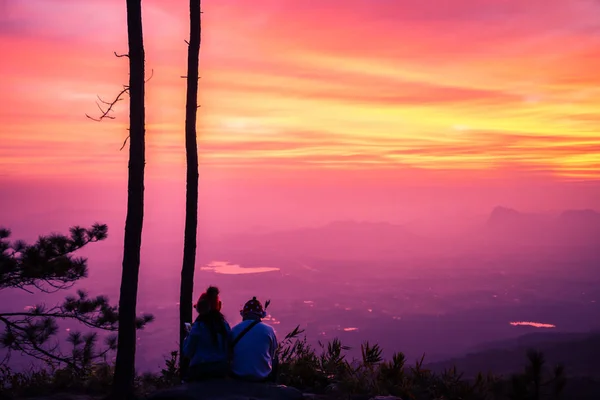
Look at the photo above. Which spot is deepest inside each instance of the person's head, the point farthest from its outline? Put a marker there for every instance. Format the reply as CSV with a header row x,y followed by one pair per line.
x,y
208,301
209,313
253,309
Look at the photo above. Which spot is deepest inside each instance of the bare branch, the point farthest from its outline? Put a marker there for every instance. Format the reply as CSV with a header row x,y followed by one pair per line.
x,y
101,112
121,55
124,143
23,288
105,113
30,347
151,75
6,358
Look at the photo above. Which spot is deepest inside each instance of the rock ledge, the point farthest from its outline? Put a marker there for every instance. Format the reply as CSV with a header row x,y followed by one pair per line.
x,y
227,390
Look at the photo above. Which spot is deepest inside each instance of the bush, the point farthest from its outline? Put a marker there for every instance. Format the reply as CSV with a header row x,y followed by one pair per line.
x,y
97,380
329,372
324,370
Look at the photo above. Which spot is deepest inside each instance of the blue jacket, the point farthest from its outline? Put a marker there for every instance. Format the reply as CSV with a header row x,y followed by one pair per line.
x,y
254,354
200,348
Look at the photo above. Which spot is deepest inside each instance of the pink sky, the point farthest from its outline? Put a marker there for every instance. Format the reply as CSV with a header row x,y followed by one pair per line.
x,y
332,98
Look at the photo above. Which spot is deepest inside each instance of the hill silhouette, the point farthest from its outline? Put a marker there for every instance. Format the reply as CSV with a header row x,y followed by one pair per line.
x,y
505,228
570,228
531,340
348,239
579,352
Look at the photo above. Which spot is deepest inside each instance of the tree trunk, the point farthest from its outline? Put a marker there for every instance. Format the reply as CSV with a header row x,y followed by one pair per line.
x,y
191,198
125,363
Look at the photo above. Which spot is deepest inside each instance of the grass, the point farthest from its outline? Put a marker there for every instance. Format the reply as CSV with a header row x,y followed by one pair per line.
x,y
323,370
95,382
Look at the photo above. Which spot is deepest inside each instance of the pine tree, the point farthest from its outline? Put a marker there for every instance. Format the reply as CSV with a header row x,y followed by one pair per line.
x,y
48,266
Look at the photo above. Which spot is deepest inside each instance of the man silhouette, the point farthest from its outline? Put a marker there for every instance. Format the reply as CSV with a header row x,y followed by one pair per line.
x,y
254,345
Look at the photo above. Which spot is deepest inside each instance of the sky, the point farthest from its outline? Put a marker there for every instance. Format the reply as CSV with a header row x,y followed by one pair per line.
x,y
327,97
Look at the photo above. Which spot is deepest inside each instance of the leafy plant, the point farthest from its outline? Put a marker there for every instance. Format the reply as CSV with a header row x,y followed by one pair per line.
x,y
330,372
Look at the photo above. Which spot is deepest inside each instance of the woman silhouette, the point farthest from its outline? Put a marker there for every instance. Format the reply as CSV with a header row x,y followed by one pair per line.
x,y
207,344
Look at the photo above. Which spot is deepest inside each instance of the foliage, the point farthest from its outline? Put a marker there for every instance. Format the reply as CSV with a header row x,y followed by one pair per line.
x,y
42,381
327,372
48,266
97,380
535,383
330,372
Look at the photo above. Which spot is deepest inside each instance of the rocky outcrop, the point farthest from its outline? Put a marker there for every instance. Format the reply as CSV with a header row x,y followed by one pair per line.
x,y
228,390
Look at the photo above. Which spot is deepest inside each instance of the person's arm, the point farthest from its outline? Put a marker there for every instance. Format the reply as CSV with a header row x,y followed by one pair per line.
x,y
274,358
274,345
228,339
190,343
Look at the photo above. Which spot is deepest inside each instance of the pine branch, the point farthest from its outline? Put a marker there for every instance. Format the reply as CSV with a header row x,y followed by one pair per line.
x,y
48,262
48,266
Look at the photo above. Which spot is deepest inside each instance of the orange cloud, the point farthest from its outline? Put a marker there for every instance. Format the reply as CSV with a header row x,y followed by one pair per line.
x,y
347,85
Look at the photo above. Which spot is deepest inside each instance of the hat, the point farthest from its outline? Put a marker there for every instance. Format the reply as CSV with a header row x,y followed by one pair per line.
x,y
208,300
253,307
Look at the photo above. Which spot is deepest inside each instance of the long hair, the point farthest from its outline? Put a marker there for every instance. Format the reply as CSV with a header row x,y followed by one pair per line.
x,y
209,313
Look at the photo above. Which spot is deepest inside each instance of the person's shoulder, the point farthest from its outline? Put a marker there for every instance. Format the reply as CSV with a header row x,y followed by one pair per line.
x,y
267,327
197,327
239,326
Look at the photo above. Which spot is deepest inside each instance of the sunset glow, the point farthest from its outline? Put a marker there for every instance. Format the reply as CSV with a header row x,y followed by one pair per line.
x,y
361,84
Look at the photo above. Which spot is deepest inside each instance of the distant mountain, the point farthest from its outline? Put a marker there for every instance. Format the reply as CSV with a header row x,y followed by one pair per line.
x,y
532,339
336,240
502,217
507,226
372,241
570,228
578,352
580,225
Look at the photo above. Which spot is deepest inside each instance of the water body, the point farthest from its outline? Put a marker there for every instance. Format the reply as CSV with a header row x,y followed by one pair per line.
x,y
226,268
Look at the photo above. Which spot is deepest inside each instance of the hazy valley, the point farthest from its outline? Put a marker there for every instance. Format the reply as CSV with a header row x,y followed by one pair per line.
x,y
439,296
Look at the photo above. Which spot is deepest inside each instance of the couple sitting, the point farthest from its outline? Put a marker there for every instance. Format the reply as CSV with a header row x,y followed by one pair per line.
x,y
246,352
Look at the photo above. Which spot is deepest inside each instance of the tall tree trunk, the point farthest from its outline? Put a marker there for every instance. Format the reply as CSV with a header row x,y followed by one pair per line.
x,y
191,198
125,363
